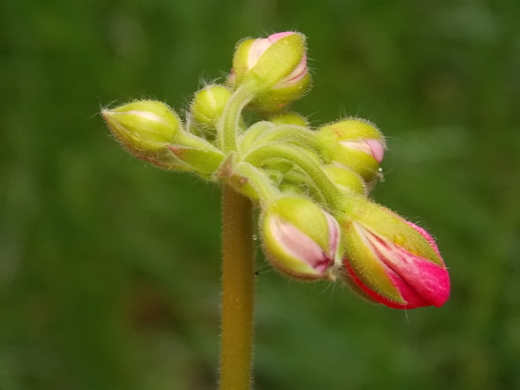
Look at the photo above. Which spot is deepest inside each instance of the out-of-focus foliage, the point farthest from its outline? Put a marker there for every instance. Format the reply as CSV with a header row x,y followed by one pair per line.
x,y
109,268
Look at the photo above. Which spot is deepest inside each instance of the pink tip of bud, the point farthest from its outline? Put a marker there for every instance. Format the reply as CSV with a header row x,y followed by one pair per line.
x,y
373,147
277,36
377,149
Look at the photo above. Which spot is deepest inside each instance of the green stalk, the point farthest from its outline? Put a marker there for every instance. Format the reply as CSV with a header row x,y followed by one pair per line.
x,y
230,122
292,133
237,292
299,157
260,181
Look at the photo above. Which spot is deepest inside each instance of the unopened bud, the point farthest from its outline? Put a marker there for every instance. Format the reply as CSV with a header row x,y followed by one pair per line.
x,y
208,106
276,66
355,144
393,261
301,239
143,126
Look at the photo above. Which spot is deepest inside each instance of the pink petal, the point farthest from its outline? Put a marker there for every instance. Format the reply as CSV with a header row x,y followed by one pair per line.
x,y
377,149
413,300
299,245
277,36
372,147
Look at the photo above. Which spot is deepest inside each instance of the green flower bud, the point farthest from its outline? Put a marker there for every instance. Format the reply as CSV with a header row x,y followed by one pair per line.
x,y
269,61
275,68
289,118
355,144
301,239
346,180
208,106
143,126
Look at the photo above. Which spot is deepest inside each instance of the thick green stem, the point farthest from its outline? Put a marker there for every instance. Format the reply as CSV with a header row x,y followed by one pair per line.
x,y
237,292
259,180
292,133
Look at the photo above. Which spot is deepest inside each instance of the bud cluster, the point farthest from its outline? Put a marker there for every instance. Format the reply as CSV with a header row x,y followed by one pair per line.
x,y
317,221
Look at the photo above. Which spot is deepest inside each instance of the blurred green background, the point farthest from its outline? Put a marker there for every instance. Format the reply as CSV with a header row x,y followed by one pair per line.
x,y
109,268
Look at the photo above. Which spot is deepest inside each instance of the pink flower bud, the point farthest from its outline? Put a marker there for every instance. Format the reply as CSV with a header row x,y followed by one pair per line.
x,y
301,239
275,67
393,261
249,53
372,147
260,46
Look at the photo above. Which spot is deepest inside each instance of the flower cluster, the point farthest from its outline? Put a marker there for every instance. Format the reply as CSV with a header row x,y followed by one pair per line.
x,y
311,185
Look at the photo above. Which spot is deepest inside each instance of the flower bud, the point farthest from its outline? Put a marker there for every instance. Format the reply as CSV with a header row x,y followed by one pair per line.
x,y
208,106
355,144
301,239
347,180
289,118
391,260
143,126
276,66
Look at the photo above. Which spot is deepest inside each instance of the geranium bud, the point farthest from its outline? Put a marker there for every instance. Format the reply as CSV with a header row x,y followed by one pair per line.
x,y
289,118
393,261
347,180
208,106
143,126
276,67
355,144
301,239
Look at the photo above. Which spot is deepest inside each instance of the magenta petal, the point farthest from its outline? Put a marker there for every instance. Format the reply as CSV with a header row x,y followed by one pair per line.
x,y
413,300
431,281
420,282
428,279
408,293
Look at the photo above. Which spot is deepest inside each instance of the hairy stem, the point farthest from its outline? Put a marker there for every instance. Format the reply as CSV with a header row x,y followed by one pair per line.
x,y
237,292
300,157
230,122
260,181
